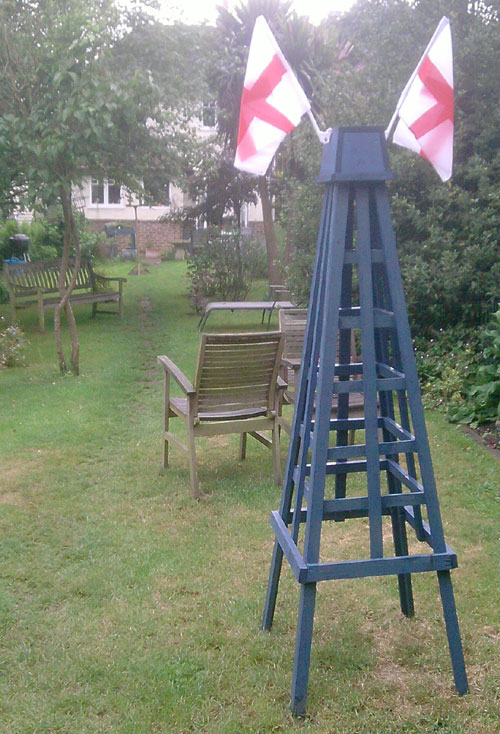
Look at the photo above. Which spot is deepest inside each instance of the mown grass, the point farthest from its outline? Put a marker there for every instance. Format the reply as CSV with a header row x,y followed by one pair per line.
x,y
126,606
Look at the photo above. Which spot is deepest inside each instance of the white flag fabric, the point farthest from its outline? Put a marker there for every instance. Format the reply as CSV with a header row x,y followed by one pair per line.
x,y
425,108
272,102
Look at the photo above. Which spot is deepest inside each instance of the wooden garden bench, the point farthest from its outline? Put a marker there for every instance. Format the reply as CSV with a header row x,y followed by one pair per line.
x,y
37,283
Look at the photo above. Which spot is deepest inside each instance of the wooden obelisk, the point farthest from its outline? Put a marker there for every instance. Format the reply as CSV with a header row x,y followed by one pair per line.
x,y
357,286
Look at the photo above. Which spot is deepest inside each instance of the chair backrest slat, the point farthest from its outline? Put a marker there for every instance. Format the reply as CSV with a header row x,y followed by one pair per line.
x,y
238,372
293,323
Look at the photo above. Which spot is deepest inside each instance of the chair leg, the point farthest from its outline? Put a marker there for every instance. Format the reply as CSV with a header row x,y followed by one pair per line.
x,y
166,416
275,448
193,465
243,446
352,437
165,451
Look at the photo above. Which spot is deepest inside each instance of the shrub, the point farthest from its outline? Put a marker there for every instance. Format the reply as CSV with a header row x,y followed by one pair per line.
x,y
46,236
255,257
4,294
298,277
482,404
12,346
92,244
220,268
302,214
447,364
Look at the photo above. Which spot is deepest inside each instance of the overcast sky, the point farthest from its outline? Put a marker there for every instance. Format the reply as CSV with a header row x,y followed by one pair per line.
x,y
195,11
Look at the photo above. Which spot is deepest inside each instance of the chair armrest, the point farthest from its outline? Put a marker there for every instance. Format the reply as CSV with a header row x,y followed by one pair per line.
x,y
282,384
177,374
293,364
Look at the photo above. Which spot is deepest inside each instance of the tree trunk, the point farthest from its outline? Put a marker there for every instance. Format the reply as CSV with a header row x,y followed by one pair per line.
x,y
70,237
288,246
269,233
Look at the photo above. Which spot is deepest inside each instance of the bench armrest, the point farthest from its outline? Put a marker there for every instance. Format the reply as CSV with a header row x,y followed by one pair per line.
x,y
109,278
177,374
282,384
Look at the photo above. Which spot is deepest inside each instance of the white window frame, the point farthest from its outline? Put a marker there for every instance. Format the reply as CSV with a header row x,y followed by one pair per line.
x,y
106,183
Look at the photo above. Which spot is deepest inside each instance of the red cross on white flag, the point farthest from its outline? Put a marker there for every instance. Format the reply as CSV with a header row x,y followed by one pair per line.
x,y
425,108
272,102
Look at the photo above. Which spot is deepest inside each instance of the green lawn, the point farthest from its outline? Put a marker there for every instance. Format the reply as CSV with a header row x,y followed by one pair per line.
x,y
126,606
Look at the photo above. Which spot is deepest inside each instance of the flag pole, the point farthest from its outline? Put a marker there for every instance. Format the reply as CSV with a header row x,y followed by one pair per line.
x,y
444,20
323,135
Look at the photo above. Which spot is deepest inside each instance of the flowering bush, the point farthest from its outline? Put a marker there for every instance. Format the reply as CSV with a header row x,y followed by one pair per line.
x,y
12,346
220,268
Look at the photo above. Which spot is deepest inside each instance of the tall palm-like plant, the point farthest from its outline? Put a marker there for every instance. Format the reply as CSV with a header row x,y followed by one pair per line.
x,y
310,50
234,31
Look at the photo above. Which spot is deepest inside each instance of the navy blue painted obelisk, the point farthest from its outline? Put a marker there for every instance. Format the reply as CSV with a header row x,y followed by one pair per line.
x,y
356,235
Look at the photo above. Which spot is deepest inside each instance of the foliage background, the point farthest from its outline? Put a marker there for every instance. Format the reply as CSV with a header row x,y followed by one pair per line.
x,y
448,234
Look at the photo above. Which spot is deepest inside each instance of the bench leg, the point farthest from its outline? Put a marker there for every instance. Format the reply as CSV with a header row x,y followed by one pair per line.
x,y
243,446
41,313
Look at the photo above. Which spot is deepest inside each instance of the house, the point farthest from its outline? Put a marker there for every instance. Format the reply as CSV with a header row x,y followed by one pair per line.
x,y
104,201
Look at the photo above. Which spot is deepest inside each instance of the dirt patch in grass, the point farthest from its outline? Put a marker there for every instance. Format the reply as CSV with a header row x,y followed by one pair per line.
x,y
9,498
14,475
487,435
490,435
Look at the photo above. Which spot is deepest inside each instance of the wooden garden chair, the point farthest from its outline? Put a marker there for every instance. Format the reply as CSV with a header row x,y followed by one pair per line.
x,y
292,324
237,389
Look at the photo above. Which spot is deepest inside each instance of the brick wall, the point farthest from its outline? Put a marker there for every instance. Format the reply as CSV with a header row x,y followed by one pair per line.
x,y
257,231
154,235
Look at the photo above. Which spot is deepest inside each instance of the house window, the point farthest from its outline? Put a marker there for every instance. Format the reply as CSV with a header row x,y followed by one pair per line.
x,y
105,191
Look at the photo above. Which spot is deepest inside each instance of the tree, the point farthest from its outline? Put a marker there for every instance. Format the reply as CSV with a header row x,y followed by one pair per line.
x,y
447,233
65,115
173,57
